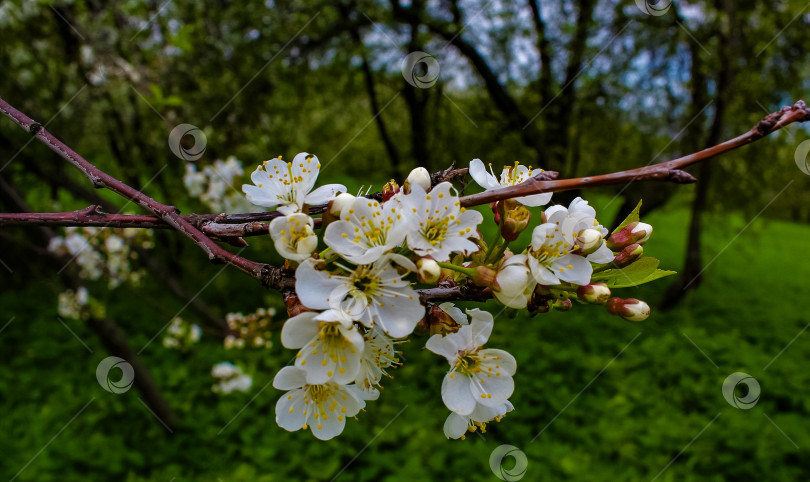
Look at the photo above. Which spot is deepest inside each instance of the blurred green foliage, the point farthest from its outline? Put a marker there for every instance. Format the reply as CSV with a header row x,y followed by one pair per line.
x,y
278,77
610,400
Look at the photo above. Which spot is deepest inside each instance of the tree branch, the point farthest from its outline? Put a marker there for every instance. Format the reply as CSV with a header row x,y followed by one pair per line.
x,y
101,179
669,171
201,228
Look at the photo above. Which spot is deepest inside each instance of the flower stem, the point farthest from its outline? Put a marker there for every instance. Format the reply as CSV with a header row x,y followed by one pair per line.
x,y
466,271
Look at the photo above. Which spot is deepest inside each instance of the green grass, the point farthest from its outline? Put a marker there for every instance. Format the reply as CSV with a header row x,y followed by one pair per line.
x,y
583,412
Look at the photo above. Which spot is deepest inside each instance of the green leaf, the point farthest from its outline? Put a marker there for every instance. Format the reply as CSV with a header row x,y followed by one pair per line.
x,y
631,218
658,273
629,275
641,272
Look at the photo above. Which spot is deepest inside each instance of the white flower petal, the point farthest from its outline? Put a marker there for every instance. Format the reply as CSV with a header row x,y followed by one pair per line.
x,y
481,323
288,378
314,287
498,360
290,410
455,313
489,389
481,176
455,426
324,194
456,394
299,330
577,269
535,199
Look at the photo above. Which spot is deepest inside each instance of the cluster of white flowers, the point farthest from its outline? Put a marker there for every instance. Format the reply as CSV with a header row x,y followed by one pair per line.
x,y
214,185
356,295
251,330
73,304
230,378
181,335
104,252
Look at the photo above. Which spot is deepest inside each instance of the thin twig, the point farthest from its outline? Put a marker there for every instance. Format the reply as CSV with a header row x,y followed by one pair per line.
x,y
204,229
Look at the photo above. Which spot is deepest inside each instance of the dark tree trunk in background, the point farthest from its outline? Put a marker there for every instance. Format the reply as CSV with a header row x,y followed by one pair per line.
x,y
691,274
417,98
397,171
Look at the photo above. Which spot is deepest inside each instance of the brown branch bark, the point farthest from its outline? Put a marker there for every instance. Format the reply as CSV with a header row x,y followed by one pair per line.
x,y
101,179
200,227
670,171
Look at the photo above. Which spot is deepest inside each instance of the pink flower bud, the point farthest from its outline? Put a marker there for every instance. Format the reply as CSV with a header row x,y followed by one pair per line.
x,y
630,309
633,233
628,256
562,305
594,293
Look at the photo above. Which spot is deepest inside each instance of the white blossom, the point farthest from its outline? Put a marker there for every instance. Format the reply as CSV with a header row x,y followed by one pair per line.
x,y
321,408
230,378
510,176
374,294
378,355
330,345
477,375
438,224
293,236
287,185
366,230
551,260
514,283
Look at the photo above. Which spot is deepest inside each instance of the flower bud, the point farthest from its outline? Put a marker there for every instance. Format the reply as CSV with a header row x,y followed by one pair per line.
x,y
514,283
428,270
440,322
389,190
484,276
633,233
630,309
628,256
515,219
594,293
419,176
341,200
643,228
589,240
562,305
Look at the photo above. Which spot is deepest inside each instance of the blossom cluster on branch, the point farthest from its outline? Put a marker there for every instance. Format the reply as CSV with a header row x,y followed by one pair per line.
x,y
374,269
357,276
